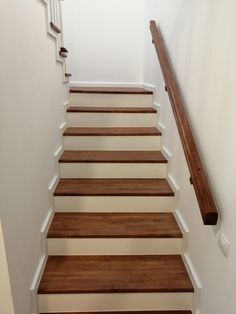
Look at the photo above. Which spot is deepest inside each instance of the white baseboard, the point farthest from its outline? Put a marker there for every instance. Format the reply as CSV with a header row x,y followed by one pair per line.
x,y
195,280
115,84
35,284
149,87
105,84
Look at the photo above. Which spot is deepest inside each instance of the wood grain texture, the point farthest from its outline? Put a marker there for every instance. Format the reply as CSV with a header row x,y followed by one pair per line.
x,y
129,312
111,90
75,156
114,225
113,187
118,131
198,176
113,109
113,274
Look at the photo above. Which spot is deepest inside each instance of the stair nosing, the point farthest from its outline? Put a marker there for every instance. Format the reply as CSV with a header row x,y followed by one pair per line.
x,y
114,225
110,90
128,110
62,188
93,157
111,131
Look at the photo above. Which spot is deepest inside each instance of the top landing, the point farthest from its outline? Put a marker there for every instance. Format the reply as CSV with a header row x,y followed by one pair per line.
x,y
111,90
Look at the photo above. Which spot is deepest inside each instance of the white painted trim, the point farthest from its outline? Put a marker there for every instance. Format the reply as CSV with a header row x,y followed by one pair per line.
x,y
114,246
58,152
194,278
157,106
44,230
175,188
35,284
150,87
166,153
161,127
181,222
85,302
105,84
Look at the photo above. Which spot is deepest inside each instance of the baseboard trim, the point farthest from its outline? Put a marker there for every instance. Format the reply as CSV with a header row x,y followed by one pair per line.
x,y
35,284
195,280
149,87
105,84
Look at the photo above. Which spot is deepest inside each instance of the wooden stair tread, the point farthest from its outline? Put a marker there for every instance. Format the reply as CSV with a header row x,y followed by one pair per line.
x,y
128,312
114,225
117,131
111,90
73,156
113,187
113,274
113,109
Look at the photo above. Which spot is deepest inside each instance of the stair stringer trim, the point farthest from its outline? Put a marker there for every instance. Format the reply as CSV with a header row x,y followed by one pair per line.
x,y
48,218
179,218
55,37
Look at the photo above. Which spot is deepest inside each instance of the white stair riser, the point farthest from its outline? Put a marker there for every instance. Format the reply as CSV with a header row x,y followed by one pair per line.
x,y
112,143
82,119
113,170
114,302
113,246
113,100
113,203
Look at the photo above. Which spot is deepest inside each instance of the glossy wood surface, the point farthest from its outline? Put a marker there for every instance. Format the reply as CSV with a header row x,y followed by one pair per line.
x,y
76,156
114,274
198,175
129,312
113,187
114,225
113,109
117,131
111,90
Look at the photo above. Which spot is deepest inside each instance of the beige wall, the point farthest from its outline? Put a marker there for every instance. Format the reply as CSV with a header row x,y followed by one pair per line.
x,y
201,38
6,303
31,112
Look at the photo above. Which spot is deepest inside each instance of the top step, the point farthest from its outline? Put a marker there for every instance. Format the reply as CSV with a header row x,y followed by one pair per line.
x,y
110,97
111,90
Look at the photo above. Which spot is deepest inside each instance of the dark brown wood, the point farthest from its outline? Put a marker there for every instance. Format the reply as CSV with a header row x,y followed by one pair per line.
x,y
62,54
55,28
129,312
118,131
68,74
63,49
200,181
114,274
75,156
113,109
113,187
114,225
111,90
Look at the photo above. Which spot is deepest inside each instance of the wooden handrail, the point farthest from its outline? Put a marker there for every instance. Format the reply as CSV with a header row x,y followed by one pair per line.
x,y
198,176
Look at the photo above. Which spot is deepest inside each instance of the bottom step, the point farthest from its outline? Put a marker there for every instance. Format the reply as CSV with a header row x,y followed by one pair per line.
x,y
114,283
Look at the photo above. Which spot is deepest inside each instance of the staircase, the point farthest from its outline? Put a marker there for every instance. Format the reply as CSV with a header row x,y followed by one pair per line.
x,y
114,244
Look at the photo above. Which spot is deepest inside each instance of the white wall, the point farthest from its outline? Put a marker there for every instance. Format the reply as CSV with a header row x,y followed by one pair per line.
x,y
31,96
105,39
201,39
